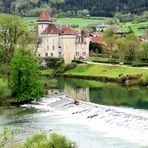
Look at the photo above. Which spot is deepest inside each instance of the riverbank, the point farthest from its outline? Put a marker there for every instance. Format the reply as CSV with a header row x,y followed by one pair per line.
x,y
106,73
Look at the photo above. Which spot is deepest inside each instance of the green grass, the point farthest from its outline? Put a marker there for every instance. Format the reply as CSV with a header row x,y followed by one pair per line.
x,y
134,27
81,22
107,71
47,71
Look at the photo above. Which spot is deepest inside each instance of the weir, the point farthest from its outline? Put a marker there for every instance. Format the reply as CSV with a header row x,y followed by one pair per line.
x,y
119,122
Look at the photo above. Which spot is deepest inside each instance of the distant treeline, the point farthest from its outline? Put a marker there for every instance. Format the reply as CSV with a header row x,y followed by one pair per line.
x,y
71,7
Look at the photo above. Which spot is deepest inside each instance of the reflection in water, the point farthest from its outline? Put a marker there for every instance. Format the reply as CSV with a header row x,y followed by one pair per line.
x,y
102,93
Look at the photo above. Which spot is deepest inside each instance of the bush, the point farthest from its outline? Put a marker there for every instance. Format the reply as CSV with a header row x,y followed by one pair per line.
x,y
144,80
70,66
139,64
54,62
78,61
41,141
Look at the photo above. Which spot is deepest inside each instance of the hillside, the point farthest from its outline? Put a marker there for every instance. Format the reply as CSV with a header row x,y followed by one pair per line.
x,y
73,7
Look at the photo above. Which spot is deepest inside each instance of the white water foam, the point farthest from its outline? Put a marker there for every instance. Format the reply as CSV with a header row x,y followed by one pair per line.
x,y
117,122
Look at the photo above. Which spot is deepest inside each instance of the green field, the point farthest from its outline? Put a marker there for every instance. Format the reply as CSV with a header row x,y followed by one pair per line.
x,y
107,71
134,27
82,23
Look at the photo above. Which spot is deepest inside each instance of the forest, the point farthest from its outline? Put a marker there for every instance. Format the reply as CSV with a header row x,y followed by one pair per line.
x,y
71,7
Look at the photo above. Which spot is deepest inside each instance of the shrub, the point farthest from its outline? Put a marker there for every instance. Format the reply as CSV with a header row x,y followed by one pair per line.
x,y
78,61
139,64
70,66
42,141
54,62
144,80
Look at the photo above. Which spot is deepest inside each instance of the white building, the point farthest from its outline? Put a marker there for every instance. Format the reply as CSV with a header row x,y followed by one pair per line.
x,y
60,42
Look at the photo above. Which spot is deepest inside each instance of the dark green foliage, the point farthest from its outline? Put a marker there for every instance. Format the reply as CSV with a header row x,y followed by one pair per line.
x,y
55,141
74,7
24,78
54,63
70,66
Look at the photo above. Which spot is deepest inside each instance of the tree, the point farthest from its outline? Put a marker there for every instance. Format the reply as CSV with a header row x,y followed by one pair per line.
x,y
133,45
144,51
14,33
122,48
109,38
24,75
55,141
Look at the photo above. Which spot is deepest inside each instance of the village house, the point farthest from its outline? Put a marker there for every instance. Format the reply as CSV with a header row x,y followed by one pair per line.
x,y
57,41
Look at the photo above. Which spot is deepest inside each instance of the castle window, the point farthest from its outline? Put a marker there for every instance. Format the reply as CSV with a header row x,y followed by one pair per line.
x,y
47,47
39,55
77,53
84,53
51,54
46,54
53,47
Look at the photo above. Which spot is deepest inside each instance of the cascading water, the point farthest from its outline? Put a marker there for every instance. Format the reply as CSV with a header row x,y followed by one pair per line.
x,y
125,124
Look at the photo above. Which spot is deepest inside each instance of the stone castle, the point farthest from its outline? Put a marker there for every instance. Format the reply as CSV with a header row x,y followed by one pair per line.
x,y
57,41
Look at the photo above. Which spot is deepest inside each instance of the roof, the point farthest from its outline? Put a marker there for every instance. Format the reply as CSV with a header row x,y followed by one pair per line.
x,y
51,29
97,40
68,31
44,16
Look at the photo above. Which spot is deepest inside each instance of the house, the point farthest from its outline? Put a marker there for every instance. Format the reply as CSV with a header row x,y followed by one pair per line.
x,y
56,41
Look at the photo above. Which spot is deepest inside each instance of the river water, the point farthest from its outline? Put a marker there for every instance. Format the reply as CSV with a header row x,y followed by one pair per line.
x,y
107,116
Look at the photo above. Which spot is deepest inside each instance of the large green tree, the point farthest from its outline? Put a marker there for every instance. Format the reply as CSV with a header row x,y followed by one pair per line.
x,y
14,32
24,77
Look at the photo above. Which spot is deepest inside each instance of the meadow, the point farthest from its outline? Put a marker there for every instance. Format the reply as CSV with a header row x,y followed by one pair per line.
x,y
107,71
80,23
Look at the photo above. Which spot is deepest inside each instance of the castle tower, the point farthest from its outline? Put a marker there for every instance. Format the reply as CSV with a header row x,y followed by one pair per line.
x,y
43,21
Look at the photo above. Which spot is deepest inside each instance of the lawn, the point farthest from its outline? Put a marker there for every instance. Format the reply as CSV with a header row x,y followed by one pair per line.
x,y
108,71
80,22
134,27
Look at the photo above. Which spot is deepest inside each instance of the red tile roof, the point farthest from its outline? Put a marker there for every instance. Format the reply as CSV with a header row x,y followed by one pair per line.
x,y
68,31
51,29
44,16
97,40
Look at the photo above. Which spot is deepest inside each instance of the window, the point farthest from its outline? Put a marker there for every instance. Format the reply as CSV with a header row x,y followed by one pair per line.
x,y
46,54
47,40
47,47
60,54
84,53
39,55
53,47
77,53
51,54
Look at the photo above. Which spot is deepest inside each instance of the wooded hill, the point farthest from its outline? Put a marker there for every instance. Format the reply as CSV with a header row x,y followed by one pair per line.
x,y
94,7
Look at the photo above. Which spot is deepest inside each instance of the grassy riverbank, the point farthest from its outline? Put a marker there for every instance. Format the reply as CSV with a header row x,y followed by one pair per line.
x,y
107,71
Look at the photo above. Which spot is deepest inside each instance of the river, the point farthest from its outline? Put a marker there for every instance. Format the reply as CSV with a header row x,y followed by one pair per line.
x,y
108,115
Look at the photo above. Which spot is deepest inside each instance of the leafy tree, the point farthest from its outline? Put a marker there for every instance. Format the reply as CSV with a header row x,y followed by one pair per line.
x,y
109,38
144,51
24,75
133,45
13,33
41,141
122,48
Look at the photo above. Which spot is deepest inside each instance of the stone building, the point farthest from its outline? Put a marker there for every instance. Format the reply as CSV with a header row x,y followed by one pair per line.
x,y
56,41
